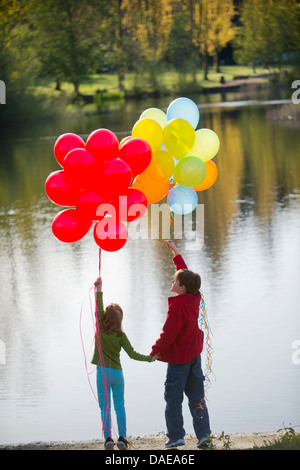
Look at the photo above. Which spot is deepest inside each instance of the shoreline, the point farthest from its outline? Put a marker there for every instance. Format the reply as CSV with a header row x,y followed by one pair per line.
x,y
238,441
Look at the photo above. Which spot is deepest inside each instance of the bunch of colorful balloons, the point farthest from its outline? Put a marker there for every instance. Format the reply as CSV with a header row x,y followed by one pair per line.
x,y
182,157
94,185
111,183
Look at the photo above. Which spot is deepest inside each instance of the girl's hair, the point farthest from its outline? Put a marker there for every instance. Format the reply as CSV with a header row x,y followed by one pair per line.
x,y
189,279
112,319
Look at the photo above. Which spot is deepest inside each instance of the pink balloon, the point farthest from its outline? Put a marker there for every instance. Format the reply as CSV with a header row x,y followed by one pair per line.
x,y
65,143
110,236
88,203
137,153
103,144
116,178
80,169
131,205
58,191
69,226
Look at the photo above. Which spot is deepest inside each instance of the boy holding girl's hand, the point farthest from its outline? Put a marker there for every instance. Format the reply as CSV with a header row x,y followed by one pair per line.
x,y
180,345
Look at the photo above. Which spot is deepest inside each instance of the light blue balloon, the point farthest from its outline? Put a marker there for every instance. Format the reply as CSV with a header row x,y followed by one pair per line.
x,y
184,108
182,200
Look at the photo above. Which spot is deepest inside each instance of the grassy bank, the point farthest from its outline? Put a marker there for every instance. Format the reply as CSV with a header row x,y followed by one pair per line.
x,y
98,92
98,89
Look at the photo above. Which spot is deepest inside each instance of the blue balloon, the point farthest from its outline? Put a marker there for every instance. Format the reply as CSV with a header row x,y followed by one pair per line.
x,y
182,200
184,108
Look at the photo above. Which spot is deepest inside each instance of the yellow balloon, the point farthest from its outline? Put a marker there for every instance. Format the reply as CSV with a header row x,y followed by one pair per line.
x,y
156,115
150,131
206,146
161,167
178,137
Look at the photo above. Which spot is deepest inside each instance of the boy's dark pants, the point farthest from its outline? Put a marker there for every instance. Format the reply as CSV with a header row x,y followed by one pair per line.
x,y
187,378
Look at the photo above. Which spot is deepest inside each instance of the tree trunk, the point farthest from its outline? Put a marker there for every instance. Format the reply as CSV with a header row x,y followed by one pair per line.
x,y
57,86
121,78
216,62
205,66
76,88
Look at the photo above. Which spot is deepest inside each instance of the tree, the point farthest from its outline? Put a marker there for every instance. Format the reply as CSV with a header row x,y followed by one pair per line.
x,y
180,49
18,60
153,20
66,38
213,28
269,33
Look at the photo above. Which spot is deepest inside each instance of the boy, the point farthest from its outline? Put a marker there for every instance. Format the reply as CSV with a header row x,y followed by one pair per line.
x,y
180,345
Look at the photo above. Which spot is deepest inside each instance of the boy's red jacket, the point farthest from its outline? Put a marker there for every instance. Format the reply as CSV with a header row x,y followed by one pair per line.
x,y
181,339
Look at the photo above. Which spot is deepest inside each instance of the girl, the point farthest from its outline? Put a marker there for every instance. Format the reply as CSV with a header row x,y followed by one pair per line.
x,y
109,340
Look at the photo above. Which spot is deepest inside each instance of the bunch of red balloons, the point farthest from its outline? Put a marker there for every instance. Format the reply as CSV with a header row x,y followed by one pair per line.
x,y
94,185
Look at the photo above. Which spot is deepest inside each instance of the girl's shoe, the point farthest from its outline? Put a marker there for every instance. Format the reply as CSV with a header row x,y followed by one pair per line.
x,y
122,443
109,444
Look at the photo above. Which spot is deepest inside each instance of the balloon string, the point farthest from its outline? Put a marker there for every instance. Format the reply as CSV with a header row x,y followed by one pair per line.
x,y
171,212
99,262
170,227
204,325
83,347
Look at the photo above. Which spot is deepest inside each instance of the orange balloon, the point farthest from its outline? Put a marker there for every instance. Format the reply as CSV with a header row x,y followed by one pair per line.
x,y
153,190
210,177
161,166
125,140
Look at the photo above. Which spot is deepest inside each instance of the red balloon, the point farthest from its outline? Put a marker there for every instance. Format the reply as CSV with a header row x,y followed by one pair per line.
x,y
69,226
116,178
58,191
137,153
80,170
109,235
65,143
131,205
103,144
88,203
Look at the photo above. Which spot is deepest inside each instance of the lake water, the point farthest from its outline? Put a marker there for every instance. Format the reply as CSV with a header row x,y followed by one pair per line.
x,y
249,263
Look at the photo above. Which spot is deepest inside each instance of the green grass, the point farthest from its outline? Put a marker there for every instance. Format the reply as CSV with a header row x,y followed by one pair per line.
x,y
167,80
290,440
102,90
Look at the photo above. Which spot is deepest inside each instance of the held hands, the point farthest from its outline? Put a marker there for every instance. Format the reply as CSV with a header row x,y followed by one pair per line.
x,y
172,247
155,357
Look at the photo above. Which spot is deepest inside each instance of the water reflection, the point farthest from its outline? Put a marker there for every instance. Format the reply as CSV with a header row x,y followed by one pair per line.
x,y
250,268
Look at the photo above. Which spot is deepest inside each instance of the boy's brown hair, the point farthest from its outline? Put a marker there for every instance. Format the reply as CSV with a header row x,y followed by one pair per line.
x,y
112,319
190,280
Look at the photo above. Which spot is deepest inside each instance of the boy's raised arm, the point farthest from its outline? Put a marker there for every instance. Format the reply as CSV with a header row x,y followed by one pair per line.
x,y
177,258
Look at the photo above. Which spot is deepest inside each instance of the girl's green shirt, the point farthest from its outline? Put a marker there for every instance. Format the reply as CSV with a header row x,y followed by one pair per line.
x,y
111,345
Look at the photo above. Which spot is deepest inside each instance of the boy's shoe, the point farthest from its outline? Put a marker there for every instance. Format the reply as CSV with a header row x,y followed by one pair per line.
x,y
122,443
203,443
109,444
179,442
